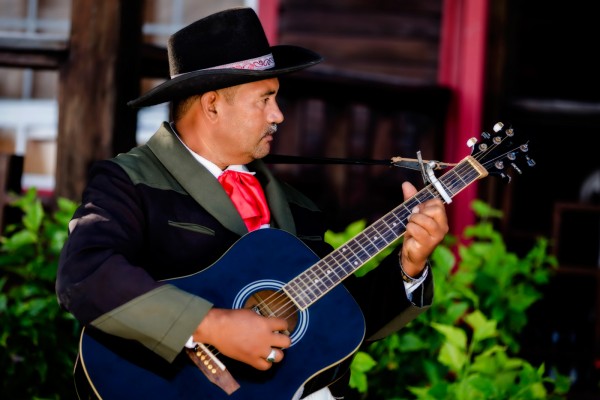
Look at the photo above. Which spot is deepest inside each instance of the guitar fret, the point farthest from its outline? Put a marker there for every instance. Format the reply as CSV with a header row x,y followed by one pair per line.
x,y
312,282
452,177
401,219
382,236
316,279
340,260
432,193
393,224
336,268
303,292
312,291
363,248
377,239
328,273
295,292
352,260
385,234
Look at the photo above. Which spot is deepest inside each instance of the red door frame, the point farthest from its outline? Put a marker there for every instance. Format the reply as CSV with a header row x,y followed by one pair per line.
x,y
461,68
268,12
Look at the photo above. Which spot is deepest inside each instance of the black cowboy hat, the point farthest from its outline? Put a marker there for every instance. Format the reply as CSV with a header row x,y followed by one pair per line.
x,y
221,50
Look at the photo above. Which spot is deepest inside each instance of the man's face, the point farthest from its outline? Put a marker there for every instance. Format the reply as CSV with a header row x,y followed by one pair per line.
x,y
247,116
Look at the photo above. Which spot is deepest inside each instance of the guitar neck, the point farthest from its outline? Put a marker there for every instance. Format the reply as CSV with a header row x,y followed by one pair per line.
x,y
316,281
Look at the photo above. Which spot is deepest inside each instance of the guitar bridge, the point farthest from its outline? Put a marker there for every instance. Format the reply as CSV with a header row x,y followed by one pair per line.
x,y
212,368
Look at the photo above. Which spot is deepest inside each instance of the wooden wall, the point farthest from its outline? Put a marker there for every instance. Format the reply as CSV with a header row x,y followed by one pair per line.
x,y
374,97
397,38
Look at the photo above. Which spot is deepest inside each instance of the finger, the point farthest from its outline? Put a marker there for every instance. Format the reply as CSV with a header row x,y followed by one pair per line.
x,y
264,362
278,324
425,231
408,190
432,210
262,365
281,341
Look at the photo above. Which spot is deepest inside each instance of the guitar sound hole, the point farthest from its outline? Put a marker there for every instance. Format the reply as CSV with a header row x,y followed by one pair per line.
x,y
271,303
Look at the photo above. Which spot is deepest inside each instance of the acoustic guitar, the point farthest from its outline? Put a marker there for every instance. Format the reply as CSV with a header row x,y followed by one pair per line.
x,y
274,273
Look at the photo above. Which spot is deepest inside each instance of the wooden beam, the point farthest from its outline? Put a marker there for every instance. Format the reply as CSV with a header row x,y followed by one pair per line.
x,y
32,50
100,75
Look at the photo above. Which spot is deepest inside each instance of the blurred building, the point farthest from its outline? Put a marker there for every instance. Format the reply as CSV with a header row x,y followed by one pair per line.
x,y
28,97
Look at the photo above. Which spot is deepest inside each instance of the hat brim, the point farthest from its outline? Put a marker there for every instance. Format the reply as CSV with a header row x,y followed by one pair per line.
x,y
287,59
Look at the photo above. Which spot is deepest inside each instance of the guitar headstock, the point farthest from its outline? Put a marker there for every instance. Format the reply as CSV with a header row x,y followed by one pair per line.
x,y
500,150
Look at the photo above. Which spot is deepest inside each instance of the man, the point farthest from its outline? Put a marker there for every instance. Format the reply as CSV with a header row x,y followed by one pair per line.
x,y
162,211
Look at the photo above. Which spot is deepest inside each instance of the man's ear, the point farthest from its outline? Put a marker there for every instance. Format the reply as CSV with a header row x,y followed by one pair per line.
x,y
208,103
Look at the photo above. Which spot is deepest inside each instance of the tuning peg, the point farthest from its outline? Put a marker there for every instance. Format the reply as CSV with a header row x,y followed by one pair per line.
x,y
530,162
498,126
471,142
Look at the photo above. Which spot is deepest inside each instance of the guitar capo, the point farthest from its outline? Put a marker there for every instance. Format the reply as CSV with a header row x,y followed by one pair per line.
x,y
426,169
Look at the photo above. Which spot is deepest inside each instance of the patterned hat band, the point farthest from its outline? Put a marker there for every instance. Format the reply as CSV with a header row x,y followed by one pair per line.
x,y
258,63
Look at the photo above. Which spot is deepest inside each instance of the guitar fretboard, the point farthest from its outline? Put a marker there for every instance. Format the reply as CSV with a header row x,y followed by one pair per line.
x,y
316,281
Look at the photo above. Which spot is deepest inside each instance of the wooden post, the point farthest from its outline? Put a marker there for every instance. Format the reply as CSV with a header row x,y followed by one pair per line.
x,y
100,75
11,171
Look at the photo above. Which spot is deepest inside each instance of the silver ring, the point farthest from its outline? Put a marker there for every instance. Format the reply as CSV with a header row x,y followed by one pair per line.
x,y
271,357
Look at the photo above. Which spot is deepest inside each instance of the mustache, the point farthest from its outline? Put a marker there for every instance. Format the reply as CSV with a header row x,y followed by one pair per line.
x,y
271,129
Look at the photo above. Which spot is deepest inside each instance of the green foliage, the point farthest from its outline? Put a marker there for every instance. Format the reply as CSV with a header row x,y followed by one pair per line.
x,y
464,346
38,339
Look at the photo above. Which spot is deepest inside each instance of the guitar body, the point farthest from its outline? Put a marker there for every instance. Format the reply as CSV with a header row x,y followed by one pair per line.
x,y
324,335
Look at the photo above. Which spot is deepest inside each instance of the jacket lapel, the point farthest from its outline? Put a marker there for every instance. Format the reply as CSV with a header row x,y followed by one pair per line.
x,y
195,179
281,215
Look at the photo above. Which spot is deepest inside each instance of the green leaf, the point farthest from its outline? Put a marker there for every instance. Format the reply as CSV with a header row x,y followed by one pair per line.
x,y
482,327
361,364
476,387
20,240
453,335
483,210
